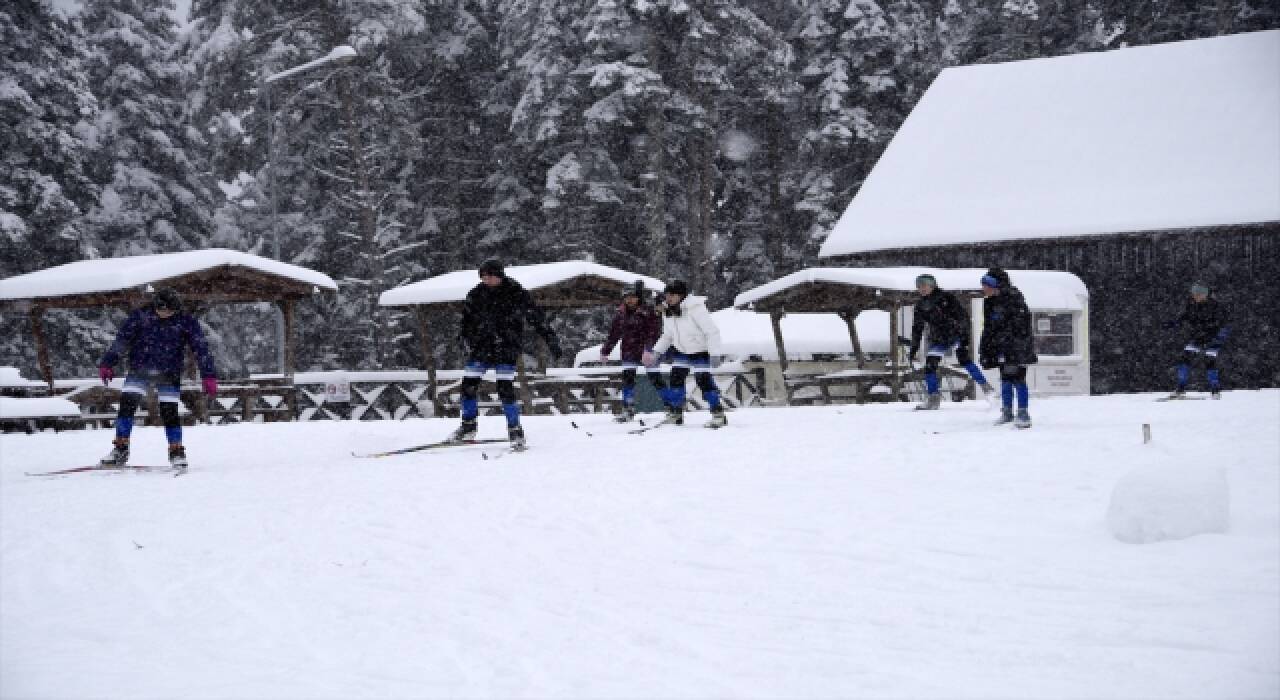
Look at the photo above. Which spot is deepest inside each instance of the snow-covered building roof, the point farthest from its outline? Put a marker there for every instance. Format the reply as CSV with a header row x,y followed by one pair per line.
x,y
1150,138
453,286
116,274
44,407
1043,289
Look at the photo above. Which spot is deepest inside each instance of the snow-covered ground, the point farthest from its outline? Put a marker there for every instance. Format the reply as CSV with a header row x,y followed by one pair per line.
x,y
819,552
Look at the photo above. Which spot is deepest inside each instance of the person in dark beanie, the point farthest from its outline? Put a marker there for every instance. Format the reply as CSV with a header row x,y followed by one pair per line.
x,y
637,326
1007,343
949,330
155,338
1204,321
493,318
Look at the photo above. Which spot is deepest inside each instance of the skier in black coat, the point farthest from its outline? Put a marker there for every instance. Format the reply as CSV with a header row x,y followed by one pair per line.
x,y
1007,342
949,329
1204,320
493,318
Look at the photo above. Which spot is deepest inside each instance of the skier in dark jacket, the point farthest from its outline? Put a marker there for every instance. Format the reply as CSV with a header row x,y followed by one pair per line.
x,y
1204,320
493,318
949,329
156,337
637,326
1007,343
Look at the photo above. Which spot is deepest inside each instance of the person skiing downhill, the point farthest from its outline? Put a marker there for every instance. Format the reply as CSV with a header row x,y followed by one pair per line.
x,y
493,318
637,326
1205,321
155,337
1007,343
949,330
691,334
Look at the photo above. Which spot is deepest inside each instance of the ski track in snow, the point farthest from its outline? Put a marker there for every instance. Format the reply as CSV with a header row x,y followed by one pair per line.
x,y
855,551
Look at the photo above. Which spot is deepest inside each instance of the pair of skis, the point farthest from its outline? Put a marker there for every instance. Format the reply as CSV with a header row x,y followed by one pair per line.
x,y
438,446
176,471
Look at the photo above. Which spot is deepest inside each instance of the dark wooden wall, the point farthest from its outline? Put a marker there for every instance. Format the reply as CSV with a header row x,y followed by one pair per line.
x,y
1137,281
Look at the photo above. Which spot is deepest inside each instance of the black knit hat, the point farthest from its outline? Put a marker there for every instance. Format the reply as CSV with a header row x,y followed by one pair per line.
x,y
492,266
997,274
166,298
677,287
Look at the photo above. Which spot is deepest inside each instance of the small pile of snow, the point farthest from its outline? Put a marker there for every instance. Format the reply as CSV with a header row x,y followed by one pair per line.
x,y
1169,501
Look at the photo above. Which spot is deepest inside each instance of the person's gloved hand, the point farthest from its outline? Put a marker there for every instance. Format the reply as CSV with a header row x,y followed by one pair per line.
x,y
913,350
106,374
210,386
649,359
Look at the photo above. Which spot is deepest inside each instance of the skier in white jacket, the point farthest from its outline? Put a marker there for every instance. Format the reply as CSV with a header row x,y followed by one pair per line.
x,y
691,334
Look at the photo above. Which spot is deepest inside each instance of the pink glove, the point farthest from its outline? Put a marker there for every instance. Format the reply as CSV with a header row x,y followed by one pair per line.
x,y
106,374
648,359
210,386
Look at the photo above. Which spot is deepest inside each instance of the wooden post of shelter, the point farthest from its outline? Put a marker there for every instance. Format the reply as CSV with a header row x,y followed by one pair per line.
x,y
849,317
775,318
290,357
526,391
42,347
428,355
894,348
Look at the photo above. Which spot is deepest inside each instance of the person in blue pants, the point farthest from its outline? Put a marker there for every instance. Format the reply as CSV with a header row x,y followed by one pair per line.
x,y
155,338
949,331
493,318
1007,343
1204,321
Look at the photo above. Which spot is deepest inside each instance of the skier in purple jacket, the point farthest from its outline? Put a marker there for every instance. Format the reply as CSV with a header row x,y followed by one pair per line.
x,y
637,326
155,337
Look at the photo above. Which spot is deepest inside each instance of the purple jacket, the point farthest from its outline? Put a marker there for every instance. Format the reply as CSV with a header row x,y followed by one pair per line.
x,y
638,330
157,344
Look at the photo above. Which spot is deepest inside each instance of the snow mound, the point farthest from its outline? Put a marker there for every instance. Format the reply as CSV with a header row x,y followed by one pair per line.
x,y
1168,501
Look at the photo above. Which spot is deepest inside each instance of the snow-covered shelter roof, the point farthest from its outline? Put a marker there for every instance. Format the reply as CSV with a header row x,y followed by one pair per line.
x,y
569,284
215,274
1150,138
849,288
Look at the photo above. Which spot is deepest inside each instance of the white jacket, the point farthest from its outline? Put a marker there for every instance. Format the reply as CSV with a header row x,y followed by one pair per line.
x,y
693,331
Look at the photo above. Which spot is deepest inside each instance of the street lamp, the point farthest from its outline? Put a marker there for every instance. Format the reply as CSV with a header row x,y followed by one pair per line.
x,y
337,56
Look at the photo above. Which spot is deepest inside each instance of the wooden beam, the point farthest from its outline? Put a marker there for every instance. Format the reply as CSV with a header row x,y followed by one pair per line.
x,y
42,347
428,351
526,390
894,347
290,356
849,317
776,319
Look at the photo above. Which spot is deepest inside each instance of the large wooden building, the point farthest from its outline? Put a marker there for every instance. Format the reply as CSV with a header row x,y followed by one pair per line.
x,y
1140,170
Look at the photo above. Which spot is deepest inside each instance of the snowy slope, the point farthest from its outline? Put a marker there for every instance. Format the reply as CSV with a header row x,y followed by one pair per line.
x,y
851,552
1137,139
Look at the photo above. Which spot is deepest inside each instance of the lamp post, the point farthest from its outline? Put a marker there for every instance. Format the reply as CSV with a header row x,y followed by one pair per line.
x,y
337,56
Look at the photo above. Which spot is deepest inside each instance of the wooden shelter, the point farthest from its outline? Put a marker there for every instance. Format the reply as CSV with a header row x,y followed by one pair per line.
x,y
554,286
847,292
202,277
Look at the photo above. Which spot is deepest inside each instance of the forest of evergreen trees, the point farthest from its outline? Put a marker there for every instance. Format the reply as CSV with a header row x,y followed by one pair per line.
x,y
715,140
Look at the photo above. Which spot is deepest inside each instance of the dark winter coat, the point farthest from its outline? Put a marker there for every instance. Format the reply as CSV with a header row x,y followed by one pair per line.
x,y
1204,321
493,321
946,316
1006,330
156,344
638,330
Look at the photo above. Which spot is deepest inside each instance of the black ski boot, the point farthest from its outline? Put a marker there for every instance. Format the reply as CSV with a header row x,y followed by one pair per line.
x,y
931,402
675,416
465,432
1023,419
1006,416
718,419
515,434
627,415
177,456
1215,393
119,454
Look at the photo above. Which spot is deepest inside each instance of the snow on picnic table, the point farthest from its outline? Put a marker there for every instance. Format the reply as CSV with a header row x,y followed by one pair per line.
x,y
859,551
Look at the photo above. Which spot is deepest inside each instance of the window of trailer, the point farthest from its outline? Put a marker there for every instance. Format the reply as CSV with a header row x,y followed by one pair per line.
x,y
1054,332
